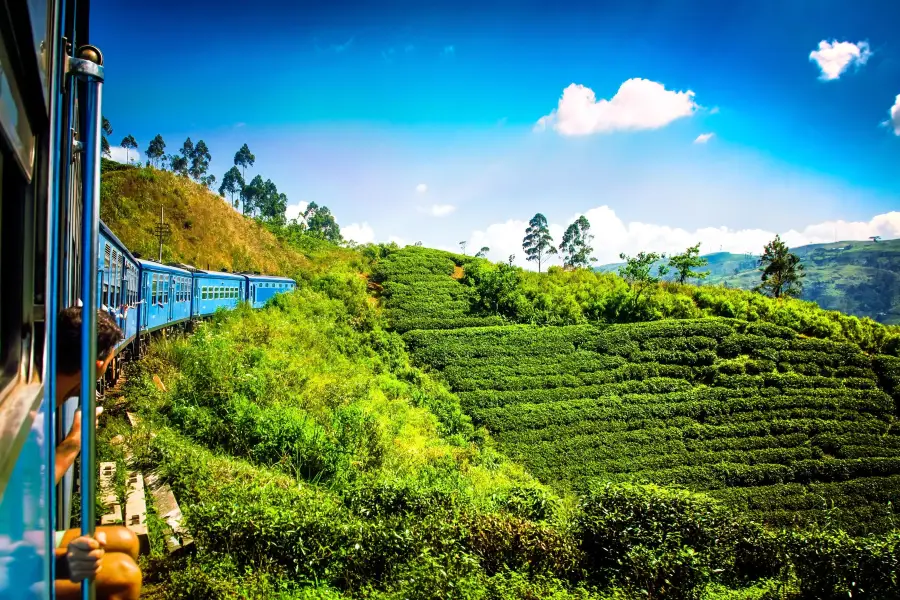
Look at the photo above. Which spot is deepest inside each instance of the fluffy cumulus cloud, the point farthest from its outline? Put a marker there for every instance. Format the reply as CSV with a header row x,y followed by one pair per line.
x,y
612,236
421,188
293,211
703,138
836,57
894,111
118,154
639,104
361,233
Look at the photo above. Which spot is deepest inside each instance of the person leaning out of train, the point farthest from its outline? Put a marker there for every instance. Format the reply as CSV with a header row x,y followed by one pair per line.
x,y
109,556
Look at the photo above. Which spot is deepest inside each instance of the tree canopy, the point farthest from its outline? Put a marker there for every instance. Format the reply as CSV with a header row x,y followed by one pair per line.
x,y
320,223
782,273
129,143
232,183
106,130
156,150
199,158
575,245
690,259
538,244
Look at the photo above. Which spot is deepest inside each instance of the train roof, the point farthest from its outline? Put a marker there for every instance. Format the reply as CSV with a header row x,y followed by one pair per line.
x,y
256,277
218,274
155,266
122,247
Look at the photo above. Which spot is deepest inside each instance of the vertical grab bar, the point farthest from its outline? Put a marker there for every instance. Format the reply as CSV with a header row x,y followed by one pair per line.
x,y
88,68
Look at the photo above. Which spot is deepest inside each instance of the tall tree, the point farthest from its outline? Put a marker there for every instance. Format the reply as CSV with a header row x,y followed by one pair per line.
x,y
232,183
156,150
106,130
782,273
129,143
182,164
243,158
690,259
200,158
538,244
575,245
272,204
251,195
462,246
320,223
483,252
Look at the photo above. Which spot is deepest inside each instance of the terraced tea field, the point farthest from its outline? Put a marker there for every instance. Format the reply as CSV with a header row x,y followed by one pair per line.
x,y
788,428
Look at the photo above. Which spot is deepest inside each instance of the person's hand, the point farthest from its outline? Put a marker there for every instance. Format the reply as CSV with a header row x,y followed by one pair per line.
x,y
75,432
84,554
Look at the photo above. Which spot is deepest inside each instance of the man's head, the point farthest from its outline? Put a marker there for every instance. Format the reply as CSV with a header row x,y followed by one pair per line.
x,y
68,348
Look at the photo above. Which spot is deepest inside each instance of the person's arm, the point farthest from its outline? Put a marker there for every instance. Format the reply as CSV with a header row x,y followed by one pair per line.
x,y
68,449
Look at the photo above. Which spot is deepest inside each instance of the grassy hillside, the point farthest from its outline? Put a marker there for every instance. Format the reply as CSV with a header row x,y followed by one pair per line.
x,y
206,231
860,278
782,413
313,459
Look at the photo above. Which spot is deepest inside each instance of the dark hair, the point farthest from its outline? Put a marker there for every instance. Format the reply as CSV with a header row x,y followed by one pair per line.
x,y
68,338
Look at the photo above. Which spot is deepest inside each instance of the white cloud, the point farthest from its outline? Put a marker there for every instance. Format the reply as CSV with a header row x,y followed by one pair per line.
x,y
639,104
293,211
613,236
714,110
703,138
894,121
835,57
441,210
359,233
117,153
421,188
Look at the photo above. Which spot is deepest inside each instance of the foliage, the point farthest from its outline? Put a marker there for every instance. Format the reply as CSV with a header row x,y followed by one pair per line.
x,y
320,223
106,130
683,264
156,150
129,143
782,272
575,245
232,183
199,159
636,273
538,244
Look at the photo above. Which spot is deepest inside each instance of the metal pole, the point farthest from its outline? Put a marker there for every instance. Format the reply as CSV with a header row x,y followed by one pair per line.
x,y
88,67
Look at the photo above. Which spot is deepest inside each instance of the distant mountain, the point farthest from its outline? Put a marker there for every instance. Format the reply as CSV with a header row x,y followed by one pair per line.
x,y
855,277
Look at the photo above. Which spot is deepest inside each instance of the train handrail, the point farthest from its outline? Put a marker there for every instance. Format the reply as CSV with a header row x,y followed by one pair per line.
x,y
88,68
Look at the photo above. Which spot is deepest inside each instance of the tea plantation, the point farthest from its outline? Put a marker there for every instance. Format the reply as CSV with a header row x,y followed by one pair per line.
x,y
785,427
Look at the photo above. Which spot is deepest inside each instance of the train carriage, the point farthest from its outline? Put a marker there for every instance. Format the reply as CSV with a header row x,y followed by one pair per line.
x,y
213,290
118,284
260,288
165,295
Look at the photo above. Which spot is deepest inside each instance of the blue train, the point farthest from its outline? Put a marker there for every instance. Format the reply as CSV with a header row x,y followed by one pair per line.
x,y
145,296
55,253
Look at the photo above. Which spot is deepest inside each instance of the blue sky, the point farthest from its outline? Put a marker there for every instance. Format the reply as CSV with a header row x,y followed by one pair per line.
x,y
417,121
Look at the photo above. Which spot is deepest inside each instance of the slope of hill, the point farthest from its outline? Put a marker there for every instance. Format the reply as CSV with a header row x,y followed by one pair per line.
x,y
205,231
860,278
313,460
786,426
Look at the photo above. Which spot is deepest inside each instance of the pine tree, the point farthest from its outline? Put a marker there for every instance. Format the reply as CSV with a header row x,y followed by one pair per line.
x,y
782,273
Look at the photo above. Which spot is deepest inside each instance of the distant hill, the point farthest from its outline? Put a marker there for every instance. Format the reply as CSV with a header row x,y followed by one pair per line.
x,y
860,278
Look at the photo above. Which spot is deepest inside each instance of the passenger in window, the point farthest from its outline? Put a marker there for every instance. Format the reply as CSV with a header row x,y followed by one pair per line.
x,y
108,557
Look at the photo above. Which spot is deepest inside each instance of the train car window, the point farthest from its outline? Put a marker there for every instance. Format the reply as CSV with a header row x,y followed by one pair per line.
x,y
153,290
13,117
166,291
203,293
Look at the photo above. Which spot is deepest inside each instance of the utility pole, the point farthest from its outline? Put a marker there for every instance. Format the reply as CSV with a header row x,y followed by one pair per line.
x,y
162,230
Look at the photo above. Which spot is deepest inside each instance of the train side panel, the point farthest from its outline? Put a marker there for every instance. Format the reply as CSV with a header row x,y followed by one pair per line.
x,y
261,288
216,290
117,284
165,296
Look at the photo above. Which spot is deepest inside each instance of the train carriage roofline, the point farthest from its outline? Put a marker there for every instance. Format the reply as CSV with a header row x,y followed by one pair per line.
x,y
107,232
203,274
159,267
